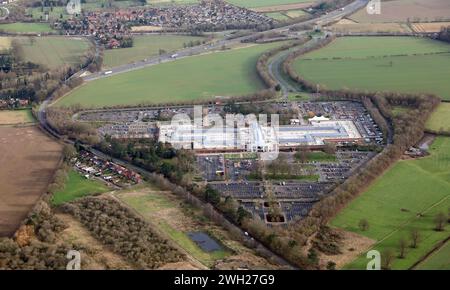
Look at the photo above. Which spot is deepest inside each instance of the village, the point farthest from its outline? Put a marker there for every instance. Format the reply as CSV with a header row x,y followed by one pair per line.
x,y
113,27
91,166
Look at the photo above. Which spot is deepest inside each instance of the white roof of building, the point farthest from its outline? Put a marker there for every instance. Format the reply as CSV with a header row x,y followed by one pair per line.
x,y
318,119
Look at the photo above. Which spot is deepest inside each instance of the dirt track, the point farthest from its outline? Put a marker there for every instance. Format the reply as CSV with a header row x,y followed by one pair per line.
x,y
28,160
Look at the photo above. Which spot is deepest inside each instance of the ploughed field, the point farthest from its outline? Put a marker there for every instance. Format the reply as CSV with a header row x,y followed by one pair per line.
x,y
226,73
266,3
404,10
29,159
403,64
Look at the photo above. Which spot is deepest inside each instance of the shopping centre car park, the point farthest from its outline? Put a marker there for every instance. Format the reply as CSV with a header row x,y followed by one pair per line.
x,y
231,169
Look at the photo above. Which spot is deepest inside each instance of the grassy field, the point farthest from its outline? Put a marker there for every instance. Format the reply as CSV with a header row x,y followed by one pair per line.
x,y
277,16
13,117
53,52
286,15
60,12
77,186
440,260
5,43
55,13
318,156
406,197
226,73
166,213
379,64
145,46
19,27
265,3
440,119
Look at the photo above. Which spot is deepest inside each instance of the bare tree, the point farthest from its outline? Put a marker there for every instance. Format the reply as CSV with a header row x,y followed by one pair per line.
x,y
387,257
440,220
302,154
402,244
415,238
363,225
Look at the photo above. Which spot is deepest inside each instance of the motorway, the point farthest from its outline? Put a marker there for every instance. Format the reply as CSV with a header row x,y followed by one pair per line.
x,y
201,49
331,17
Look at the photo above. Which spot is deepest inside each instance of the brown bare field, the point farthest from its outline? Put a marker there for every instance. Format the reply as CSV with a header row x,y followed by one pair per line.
x,y
366,27
346,21
402,10
429,27
352,246
145,28
15,117
284,7
5,43
29,159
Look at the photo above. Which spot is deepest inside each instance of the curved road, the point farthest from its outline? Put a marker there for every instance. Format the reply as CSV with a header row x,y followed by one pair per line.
x,y
333,16
4,8
322,20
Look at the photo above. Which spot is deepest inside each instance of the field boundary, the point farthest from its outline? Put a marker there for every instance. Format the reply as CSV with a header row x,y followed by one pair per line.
x,y
435,249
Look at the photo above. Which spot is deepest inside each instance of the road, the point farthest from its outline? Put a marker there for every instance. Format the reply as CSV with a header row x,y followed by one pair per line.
x,y
276,71
4,8
205,48
42,118
275,67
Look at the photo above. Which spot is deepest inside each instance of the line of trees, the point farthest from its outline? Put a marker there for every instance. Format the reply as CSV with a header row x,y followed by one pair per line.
x,y
28,81
444,34
407,128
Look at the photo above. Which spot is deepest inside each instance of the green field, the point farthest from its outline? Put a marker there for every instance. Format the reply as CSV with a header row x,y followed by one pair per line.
x,y
60,12
286,15
440,260
145,46
379,64
440,119
321,157
55,13
19,27
52,51
227,73
77,186
264,3
277,16
393,203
